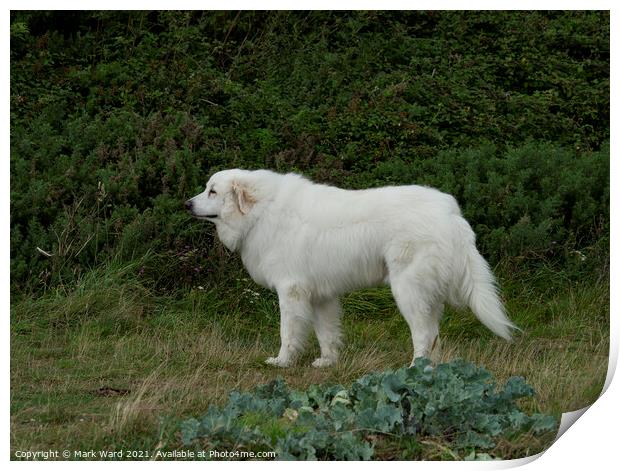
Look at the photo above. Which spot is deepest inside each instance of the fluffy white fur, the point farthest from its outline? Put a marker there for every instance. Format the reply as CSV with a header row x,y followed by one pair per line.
x,y
311,243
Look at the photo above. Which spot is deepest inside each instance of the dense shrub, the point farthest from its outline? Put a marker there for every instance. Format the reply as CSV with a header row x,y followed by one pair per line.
x,y
117,117
536,200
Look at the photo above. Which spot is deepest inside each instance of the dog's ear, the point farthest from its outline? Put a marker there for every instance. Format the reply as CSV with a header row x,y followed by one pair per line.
x,y
243,196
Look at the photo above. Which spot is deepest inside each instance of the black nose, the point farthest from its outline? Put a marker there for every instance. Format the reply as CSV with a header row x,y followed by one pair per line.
x,y
188,205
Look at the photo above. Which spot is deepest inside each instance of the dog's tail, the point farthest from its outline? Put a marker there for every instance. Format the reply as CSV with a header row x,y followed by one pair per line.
x,y
479,291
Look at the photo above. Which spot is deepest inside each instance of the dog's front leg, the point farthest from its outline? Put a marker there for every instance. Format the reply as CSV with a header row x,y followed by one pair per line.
x,y
295,318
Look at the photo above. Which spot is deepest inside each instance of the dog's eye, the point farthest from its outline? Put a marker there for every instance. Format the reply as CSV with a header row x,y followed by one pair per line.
x,y
212,193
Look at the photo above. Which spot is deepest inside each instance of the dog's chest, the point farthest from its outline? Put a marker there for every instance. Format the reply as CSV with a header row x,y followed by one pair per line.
x,y
255,265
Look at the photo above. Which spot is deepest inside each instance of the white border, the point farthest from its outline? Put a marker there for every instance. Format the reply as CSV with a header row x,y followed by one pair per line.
x,y
310,5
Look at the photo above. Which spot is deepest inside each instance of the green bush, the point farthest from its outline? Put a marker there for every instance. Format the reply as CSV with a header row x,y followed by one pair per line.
x,y
118,117
537,200
455,401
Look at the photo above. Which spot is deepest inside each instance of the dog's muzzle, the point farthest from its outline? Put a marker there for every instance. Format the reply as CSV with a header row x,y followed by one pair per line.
x,y
189,205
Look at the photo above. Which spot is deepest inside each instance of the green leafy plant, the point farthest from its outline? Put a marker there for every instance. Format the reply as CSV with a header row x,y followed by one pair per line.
x,y
457,402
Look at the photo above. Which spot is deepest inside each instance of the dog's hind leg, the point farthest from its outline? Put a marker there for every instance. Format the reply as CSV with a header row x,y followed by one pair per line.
x,y
295,318
415,297
327,315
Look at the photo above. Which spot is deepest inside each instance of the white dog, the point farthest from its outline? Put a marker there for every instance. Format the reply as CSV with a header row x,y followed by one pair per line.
x,y
312,243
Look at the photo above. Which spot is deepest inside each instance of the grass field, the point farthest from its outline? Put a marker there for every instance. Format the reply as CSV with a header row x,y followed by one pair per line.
x,y
110,365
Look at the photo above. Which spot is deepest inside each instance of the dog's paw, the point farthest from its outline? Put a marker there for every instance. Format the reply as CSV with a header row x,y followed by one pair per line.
x,y
323,362
277,361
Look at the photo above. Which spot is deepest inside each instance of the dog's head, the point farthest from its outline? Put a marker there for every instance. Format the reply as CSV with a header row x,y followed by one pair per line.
x,y
228,201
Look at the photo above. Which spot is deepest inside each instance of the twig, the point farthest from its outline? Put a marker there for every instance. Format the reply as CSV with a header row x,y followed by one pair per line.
x,y
232,26
41,251
209,101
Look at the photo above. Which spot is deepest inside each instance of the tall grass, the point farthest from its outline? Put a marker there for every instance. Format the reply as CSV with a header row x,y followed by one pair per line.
x,y
111,363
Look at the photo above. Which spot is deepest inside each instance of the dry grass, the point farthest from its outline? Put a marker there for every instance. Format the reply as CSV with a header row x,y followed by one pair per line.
x,y
178,359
